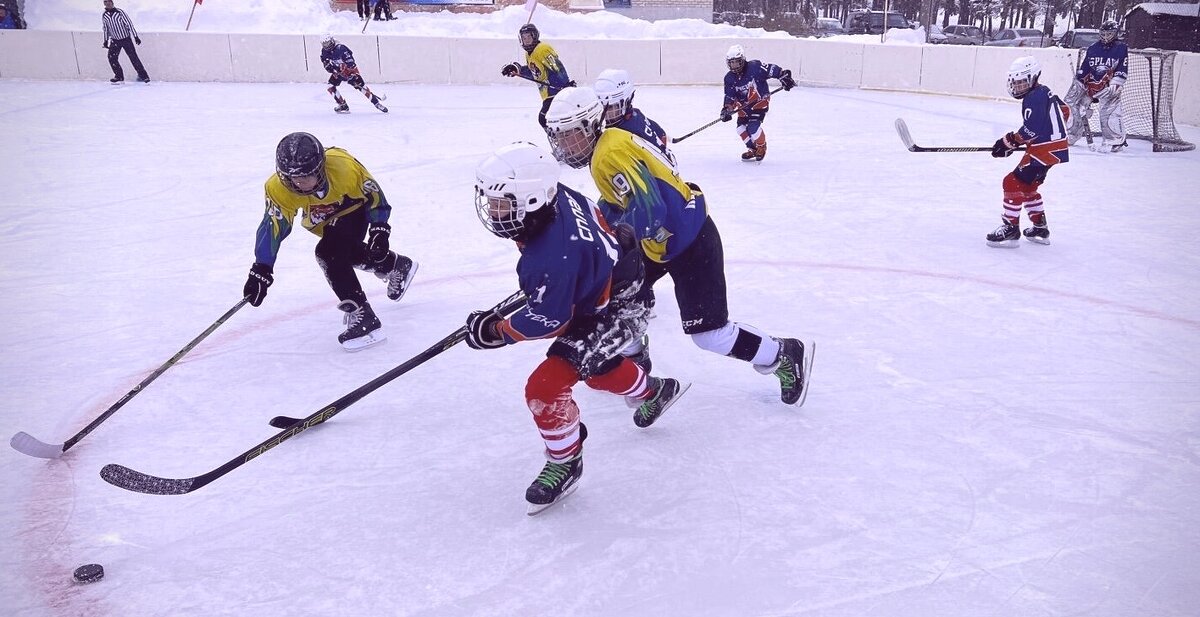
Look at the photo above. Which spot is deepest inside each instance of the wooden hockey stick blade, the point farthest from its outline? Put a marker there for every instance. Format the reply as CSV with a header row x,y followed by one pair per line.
x,y
32,446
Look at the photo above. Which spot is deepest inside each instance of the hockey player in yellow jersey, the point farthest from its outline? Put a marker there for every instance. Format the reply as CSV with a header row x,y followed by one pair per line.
x,y
542,66
641,186
338,200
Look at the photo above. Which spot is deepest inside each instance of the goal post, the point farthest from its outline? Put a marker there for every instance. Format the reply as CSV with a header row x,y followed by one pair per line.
x,y
1147,101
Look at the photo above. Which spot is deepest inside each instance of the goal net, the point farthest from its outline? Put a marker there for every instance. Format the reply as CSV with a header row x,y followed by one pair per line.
x,y
1147,100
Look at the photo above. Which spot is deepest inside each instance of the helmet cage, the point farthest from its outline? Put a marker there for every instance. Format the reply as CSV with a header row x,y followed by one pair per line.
x,y
1023,76
573,125
301,155
1108,32
512,187
615,91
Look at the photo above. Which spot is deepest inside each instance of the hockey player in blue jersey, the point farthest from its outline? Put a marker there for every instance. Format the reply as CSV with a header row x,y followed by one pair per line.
x,y
641,187
582,284
1043,135
747,96
543,66
1100,78
339,62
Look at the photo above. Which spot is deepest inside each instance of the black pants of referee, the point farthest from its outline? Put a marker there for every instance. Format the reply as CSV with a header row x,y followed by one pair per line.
x,y
114,50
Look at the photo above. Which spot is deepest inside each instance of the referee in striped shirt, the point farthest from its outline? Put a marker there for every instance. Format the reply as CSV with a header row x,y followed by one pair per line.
x,y
119,34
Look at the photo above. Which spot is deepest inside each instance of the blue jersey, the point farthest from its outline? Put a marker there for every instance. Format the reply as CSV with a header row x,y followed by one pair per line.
x,y
1103,64
1043,131
748,89
338,59
565,271
639,124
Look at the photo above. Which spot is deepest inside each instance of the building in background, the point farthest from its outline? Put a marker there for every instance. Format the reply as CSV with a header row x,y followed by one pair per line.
x,y
1164,26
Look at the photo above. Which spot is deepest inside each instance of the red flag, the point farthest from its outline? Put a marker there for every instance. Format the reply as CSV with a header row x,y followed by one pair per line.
x,y
199,1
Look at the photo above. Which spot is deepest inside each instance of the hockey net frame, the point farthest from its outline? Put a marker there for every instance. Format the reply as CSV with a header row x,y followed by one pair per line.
x,y
1147,100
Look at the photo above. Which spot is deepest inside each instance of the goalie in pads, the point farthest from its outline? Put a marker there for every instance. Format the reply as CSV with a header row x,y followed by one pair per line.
x,y
1100,78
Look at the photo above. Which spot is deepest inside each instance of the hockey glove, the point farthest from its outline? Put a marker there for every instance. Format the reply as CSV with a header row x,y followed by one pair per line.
x,y
137,40
481,330
1003,147
511,69
257,283
726,114
377,241
785,80
104,44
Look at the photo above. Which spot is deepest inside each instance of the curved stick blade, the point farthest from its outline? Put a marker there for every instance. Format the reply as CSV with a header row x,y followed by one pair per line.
x,y
32,446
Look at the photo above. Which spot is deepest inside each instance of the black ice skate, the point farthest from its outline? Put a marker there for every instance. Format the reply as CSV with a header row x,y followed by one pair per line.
x,y
792,366
342,109
557,480
399,277
378,105
666,392
1007,236
1038,233
363,328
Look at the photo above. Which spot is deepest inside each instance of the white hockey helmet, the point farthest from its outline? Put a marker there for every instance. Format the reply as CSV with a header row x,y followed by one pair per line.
x,y
1023,76
327,41
573,124
614,88
735,58
515,188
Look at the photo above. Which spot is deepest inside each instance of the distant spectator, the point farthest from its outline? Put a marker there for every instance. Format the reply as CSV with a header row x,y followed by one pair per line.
x,y
119,34
14,12
9,20
384,7
364,9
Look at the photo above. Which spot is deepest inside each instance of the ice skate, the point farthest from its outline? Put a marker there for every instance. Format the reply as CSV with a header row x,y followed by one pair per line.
x,y
342,109
666,392
792,366
1007,236
379,105
363,328
749,156
1038,233
399,278
557,480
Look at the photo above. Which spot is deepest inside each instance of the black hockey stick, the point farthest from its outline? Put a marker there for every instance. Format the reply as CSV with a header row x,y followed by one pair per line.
x,y
676,140
28,444
905,137
536,81
132,480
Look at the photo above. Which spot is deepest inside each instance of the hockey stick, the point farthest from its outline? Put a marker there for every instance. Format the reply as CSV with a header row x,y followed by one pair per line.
x,y
28,444
676,140
131,480
536,81
902,129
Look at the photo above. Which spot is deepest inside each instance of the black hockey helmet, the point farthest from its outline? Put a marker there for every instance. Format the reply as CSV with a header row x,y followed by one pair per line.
x,y
529,37
301,155
1108,32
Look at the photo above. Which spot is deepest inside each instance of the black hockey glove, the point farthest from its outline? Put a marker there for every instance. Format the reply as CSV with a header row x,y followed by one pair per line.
x,y
726,114
257,283
1003,147
785,80
629,272
104,44
511,69
377,241
572,84
481,330
137,40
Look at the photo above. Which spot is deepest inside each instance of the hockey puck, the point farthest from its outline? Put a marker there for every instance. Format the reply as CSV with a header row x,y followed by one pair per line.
x,y
89,573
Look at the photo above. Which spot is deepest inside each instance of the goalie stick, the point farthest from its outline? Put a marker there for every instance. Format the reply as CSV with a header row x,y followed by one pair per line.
x,y
906,137
136,481
32,446
676,140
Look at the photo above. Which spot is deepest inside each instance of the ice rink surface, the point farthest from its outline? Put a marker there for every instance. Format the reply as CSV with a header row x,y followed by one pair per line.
x,y
989,432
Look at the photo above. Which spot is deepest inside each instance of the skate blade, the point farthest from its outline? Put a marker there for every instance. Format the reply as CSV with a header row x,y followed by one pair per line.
x,y
810,352
537,508
1043,241
344,111
1004,244
363,342
683,388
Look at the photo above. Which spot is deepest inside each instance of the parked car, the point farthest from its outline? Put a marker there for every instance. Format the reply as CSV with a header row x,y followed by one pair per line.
x,y
828,26
936,36
871,22
964,34
1079,39
1021,37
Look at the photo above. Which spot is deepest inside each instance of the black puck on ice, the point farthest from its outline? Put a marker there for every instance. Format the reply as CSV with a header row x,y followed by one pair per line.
x,y
89,573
